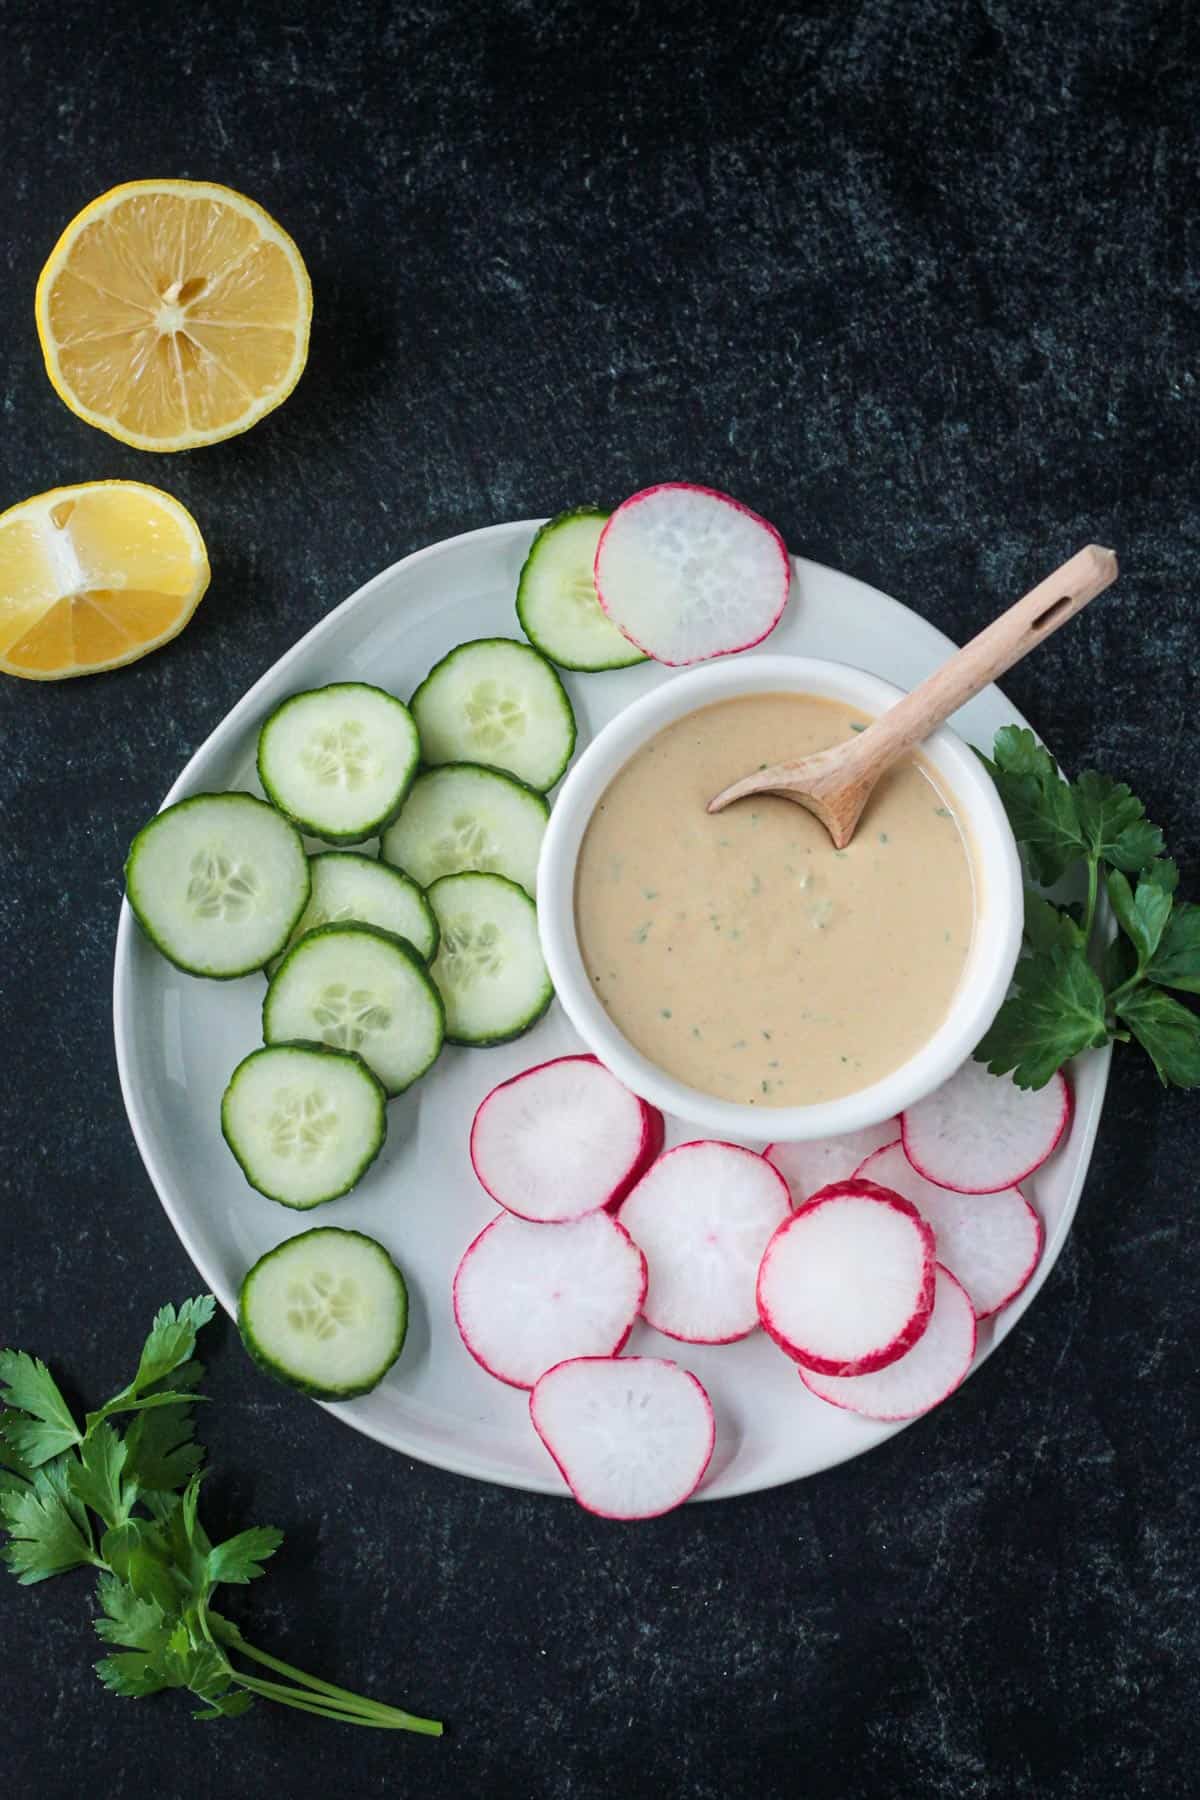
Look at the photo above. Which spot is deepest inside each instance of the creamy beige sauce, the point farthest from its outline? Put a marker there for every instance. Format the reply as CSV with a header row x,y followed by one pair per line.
x,y
741,952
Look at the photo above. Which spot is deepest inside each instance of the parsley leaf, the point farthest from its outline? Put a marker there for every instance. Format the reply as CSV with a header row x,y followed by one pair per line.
x,y
1048,927
228,1706
137,1624
96,1476
1164,872
185,1539
1112,823
1141,914
130,1673
1176,962
1072,992
172,1339
239,1559
170,1345
1118,963
1040,804
1168,1031
27,1385
15,1473
200,1667
137,1552
157,1565
47,1527
33,1441
1057,1011
159,1442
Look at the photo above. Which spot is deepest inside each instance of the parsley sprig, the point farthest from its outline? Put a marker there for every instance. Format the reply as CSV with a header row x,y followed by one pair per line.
x,y
125,1503
1071,991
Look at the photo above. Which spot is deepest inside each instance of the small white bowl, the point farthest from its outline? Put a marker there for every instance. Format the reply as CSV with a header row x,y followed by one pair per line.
x,y
995,943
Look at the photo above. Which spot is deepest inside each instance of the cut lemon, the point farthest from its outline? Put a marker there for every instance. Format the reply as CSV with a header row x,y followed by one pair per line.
x,y
173,313
95,576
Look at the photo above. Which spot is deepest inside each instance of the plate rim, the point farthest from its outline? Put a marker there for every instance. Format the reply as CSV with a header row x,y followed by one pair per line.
x,y
1085,1121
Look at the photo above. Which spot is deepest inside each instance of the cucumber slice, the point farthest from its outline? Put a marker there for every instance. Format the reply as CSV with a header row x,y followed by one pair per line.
x,y
462,817
339,760
358,988
348,885
556,597
304,1121
325,1312
217,882
489,966
497,702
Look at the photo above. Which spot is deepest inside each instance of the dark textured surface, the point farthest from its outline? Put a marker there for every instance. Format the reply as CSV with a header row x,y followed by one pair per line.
x,y
920,282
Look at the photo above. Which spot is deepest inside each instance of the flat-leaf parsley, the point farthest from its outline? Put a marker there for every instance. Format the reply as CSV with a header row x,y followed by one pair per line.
x,y
127,1505
1069,992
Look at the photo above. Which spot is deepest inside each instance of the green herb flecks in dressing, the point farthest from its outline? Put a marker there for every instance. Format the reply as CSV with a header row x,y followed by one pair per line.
x,y
741,952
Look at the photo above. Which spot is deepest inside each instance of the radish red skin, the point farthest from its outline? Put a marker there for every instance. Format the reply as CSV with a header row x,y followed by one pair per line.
x,y
1011,1179
652,1142
526,1386
779,1155
866,1172
896,1346
641,1160
599,1512
693,487
896,1418
656,1137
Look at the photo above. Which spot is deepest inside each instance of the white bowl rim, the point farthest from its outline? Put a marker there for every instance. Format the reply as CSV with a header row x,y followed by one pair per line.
x,y
990,961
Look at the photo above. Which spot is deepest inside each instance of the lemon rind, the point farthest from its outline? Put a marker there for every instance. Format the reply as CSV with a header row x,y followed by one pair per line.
x,y
43,502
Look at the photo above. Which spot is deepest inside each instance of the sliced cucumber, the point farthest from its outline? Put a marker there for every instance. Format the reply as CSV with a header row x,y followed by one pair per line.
x,y
325,1312
339,760
556,597
498,702
358,988
348,885
304,1121
462,817
218,882
489,965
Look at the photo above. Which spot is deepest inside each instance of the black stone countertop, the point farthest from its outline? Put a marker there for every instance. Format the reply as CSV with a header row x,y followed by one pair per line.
x,y
919,282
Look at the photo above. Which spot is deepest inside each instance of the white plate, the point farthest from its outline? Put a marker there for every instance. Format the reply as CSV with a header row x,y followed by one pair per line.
x,y
178,1040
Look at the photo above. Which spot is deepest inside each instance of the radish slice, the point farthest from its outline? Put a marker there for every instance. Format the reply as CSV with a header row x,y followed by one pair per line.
x,y
687,573
702,1218
559,1141
656,1137
846,1284
809,1167
528,1296
932,1369
632,1435
981,1132
991,1242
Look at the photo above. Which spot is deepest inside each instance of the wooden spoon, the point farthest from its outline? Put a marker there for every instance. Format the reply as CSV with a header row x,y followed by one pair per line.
x,y
836,784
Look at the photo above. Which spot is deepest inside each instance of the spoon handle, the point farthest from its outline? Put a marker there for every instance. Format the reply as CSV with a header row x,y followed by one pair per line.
x,y
1001,644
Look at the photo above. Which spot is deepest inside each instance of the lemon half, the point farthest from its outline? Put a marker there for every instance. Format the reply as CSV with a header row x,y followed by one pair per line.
x,y
173,314
95,576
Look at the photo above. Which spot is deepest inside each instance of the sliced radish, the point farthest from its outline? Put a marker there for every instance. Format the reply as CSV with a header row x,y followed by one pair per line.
x,y
688,573
529,1296
846,1283
656,1137
702,1217
561,1140
632,1435
931,1370
981,1132
809,1167
991,1242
